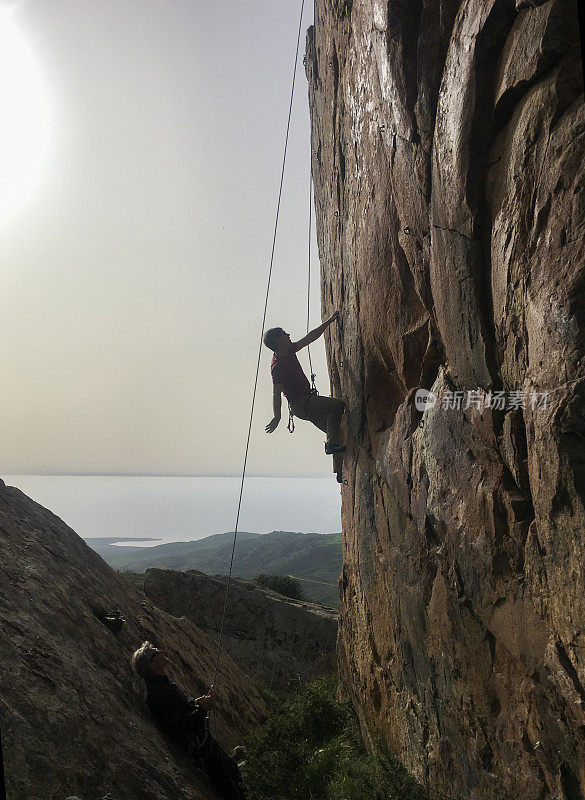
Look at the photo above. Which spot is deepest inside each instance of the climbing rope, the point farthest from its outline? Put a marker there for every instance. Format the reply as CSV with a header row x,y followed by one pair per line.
x,y
291,422
260,347
313,387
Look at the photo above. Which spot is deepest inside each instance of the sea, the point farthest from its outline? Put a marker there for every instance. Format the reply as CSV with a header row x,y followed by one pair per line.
x,y
157,510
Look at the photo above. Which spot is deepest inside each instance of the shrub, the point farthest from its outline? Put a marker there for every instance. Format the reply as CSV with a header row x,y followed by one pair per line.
x,y
283,584
133,578
310,748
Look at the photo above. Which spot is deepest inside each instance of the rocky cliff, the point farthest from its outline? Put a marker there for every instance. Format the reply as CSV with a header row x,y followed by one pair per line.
x,y
278,641
72,714
448,141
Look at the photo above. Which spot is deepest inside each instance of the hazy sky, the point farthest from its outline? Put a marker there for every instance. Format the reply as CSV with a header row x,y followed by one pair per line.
x,y
140,156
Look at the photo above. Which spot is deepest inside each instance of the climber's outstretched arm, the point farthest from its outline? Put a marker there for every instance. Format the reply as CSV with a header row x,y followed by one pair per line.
x,y
313,335
276,405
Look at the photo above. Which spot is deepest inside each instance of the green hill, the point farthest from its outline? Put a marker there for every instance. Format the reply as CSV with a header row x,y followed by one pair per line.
x,y
313,558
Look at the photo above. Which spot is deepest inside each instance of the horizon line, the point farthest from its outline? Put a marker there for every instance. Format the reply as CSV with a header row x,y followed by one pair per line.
x,y
150,475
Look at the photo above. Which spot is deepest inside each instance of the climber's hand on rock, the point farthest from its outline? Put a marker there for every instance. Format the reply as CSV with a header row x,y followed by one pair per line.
x,y
272,425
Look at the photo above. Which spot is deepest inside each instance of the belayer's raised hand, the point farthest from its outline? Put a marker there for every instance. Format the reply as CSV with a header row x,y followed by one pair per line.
x,y
206,702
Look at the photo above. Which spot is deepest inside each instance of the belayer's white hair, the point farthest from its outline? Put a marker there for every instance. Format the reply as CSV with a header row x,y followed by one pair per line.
x,y
142,659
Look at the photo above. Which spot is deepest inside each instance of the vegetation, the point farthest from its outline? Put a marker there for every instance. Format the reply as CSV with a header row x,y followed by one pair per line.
x,y
133,578
310,749
283,584
316,558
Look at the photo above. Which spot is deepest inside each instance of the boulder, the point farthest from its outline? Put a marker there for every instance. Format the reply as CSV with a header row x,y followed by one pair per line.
x,y
278,641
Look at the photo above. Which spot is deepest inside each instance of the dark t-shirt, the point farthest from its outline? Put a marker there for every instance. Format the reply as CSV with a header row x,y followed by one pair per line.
x,y
287,371
179,717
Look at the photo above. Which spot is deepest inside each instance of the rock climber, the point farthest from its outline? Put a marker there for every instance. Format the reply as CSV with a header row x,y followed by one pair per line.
x,y
185,721
289,379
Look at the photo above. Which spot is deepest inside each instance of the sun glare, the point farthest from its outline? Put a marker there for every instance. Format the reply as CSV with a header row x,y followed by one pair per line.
x,y
24,130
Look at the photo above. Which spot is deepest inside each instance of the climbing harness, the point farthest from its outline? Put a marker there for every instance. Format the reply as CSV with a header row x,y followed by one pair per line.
x,y
260,346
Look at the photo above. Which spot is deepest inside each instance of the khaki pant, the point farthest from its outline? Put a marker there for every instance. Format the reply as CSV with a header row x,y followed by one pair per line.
x,y
324,412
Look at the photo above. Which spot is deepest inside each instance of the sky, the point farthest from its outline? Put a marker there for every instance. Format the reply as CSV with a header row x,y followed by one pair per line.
x,y
140,159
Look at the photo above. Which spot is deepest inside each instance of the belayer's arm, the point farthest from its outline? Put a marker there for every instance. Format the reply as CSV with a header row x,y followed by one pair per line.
x,y
276,406
171,708
313,335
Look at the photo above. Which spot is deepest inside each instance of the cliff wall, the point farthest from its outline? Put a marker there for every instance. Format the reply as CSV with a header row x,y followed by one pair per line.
x,y
448,141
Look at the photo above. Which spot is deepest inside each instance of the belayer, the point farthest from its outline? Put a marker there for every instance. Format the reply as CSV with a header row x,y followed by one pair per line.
x,y
185,721
289,379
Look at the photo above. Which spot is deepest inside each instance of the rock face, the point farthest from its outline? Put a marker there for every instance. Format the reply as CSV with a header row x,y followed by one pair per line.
x,y
448,141
72,713
280,642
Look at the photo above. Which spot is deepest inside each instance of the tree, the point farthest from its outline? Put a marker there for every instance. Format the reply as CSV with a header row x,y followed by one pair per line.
x,y
283,584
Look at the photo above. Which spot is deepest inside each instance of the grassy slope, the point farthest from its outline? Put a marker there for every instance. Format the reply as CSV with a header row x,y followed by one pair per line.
x,y
313,558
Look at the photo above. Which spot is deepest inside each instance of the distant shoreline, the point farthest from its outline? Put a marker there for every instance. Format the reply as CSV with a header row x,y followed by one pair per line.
x,y
111,539
145,512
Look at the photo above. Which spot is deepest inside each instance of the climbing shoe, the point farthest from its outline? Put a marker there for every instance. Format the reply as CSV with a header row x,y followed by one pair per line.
x,y
330,449
339,476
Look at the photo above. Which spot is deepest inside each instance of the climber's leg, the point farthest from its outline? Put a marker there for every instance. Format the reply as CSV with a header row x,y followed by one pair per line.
x,y
223,770
326,414
302,409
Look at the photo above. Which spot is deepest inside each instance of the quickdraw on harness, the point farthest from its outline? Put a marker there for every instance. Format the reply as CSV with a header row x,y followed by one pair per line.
x,y
312,393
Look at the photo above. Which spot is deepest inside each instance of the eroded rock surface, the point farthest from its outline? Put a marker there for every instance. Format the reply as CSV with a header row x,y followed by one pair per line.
x,y
72,713
281,642
448,141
